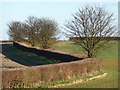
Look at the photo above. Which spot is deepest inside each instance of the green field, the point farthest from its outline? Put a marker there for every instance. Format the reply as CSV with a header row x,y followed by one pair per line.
x,y
109,56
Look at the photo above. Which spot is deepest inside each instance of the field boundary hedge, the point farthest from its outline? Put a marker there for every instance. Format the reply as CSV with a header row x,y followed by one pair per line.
x,y
36,75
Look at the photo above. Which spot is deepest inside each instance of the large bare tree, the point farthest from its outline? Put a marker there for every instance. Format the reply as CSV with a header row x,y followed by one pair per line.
x,y
90,26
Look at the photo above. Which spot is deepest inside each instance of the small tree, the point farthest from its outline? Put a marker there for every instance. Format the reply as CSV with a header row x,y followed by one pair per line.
x,y
41,31
31,29
35,31
48,32
16,31
91,25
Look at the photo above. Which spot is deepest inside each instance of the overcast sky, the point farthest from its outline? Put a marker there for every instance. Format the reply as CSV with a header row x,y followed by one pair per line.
x,y
60,11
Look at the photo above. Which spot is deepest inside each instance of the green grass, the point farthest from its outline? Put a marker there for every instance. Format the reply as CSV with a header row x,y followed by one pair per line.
x,y
67,46
109,56
70,81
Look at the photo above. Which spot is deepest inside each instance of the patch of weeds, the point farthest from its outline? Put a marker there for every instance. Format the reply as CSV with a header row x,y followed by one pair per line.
x,y
53,83
91,75
64,82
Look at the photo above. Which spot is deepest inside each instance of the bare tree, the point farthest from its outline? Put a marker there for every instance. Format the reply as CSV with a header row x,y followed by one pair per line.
x,y
16,31
48,32
91,25
31,29
42,31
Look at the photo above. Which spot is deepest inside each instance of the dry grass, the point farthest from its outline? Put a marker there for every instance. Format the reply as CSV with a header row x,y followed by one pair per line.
x,y
36,75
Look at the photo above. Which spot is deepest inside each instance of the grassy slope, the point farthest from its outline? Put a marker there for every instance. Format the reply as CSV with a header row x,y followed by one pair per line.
x,y
109,56
68,47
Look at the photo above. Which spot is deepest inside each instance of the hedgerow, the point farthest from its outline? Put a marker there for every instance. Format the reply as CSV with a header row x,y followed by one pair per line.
x,y
31,77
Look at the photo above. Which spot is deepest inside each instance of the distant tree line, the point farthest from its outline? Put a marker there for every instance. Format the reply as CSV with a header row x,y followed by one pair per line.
x,y
35,31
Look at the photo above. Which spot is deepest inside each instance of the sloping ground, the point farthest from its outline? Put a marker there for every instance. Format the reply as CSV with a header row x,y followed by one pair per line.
x,y
7,63
21,57
13,57
59,57
33,77
59,48
109,56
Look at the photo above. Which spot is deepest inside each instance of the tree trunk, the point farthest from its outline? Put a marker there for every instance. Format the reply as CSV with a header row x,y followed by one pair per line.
x,y
89,54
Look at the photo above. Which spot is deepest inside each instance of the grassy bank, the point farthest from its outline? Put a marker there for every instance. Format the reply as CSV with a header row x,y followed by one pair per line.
x,y
109,56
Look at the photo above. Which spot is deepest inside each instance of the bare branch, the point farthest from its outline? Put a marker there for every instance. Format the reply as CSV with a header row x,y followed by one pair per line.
x,y
91,25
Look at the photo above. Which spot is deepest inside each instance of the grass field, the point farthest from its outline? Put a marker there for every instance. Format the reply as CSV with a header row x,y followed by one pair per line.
x,y
109,56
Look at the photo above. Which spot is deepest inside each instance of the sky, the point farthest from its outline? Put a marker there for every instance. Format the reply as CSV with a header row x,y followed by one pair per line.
x,y
59,11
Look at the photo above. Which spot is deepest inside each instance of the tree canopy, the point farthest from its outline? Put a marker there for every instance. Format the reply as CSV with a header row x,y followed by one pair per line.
x,y
42,31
